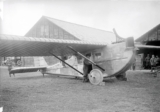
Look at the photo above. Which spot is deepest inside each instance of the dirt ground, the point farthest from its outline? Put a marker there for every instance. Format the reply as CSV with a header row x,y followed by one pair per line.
x,y
31,92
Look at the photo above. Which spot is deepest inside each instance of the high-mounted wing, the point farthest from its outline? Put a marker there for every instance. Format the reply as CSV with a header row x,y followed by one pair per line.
x,y
28,46
147,47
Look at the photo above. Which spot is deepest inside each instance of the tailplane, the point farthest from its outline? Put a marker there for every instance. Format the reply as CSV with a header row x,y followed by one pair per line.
x,y
40,61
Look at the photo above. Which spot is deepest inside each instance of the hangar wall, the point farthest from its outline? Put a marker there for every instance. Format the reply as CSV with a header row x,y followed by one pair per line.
x,y
44,28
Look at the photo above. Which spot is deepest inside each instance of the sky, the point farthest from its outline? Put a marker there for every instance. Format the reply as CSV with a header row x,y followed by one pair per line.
x,y
128,17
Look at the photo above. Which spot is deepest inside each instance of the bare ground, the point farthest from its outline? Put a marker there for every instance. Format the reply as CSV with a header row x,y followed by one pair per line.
x,y
31,92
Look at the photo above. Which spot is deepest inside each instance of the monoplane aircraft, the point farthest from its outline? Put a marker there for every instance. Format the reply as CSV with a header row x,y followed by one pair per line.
x,y
108,60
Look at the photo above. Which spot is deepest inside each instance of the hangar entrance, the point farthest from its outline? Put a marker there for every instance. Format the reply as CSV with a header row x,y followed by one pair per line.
x,y
150,51
152,37
153,51
142,54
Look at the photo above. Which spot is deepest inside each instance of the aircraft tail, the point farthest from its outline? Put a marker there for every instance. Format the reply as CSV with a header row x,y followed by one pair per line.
x,y
118,38
40,61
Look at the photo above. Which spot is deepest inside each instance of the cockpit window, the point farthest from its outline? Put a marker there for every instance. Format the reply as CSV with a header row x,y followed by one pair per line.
x,y
88,55
97,55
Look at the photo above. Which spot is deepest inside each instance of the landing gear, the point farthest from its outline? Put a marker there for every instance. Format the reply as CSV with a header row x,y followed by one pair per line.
x,y
122,77
11,74
95,77
42,71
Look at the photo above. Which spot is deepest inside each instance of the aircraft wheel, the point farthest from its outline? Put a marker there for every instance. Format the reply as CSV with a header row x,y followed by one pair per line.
x,y
19,62
95,77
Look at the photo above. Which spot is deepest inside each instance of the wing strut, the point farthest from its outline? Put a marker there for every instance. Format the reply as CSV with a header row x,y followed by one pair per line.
x,y
86,58
66,63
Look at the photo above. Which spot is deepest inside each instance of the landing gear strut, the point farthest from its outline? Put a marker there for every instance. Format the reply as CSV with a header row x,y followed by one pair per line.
x,y
42,71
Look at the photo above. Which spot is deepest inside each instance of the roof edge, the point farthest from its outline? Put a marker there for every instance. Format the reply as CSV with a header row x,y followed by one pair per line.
x,y
33,26
78,24
142,36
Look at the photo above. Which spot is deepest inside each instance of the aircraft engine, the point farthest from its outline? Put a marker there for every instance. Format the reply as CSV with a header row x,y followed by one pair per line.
x,y
130,42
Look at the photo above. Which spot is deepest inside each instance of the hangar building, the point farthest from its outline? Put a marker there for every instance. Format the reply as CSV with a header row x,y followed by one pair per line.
x,y
47,27
152,37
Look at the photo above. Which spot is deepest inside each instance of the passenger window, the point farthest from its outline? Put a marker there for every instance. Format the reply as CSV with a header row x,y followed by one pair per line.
x,y
97,55
88,54
80,60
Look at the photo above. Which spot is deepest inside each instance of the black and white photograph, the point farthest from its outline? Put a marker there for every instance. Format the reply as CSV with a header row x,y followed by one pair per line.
x,y
79,55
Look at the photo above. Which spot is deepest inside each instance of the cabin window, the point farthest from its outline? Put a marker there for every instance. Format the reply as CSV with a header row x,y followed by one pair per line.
x,y
79,59
88,54
97,55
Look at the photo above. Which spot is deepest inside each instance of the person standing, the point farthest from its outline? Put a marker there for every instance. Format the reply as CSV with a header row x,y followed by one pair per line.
x,y
157,61
153,62
147,62
10,66
87,67
134,64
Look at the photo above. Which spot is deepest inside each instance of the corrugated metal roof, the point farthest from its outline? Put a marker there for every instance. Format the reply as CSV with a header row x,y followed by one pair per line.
x,y
145,36
11,45
83,32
